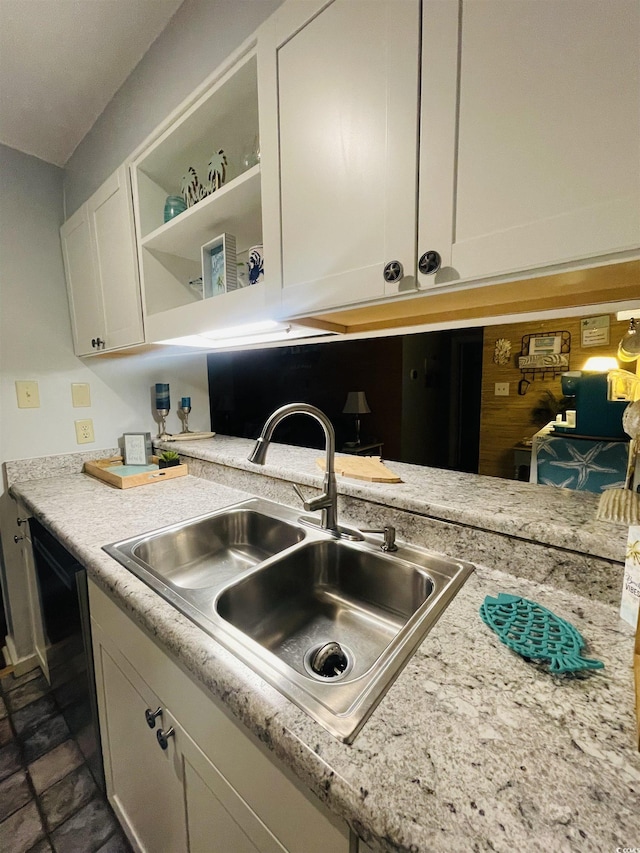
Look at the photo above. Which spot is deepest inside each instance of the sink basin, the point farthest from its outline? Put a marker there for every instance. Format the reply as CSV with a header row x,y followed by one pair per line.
x,y
202,552
329,623
327,592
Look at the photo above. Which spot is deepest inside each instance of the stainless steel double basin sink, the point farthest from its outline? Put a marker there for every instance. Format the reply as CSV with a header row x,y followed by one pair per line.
x,y
328,622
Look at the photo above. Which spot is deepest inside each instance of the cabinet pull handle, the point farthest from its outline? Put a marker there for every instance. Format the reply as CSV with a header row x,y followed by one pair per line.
x,y
429,263
150,716
163,737
97,343
393,272
17,539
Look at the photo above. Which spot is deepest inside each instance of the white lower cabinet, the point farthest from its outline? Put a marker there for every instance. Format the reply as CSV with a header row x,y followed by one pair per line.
x,y
213,789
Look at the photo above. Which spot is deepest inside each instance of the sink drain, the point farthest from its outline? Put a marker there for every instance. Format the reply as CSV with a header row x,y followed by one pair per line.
x,y
328,661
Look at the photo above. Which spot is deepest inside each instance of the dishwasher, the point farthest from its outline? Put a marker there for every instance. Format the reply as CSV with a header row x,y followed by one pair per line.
x,y
64,602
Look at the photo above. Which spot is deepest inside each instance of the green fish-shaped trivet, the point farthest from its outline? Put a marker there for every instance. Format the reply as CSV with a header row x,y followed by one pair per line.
x,y
535,632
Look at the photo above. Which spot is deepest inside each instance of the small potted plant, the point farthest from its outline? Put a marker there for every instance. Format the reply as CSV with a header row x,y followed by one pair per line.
x,y
168,459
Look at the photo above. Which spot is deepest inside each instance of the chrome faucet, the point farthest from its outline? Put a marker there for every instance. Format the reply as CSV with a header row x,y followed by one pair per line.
x,y
327,502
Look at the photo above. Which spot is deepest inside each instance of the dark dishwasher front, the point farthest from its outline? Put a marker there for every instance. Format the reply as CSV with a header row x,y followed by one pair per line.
x,y
64,600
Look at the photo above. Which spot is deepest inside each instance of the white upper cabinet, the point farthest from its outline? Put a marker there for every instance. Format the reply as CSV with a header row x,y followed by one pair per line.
x,y
101,266
221,116
339,108
530,134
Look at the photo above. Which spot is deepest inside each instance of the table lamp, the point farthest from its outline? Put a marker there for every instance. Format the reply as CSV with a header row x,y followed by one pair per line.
x,y
356,404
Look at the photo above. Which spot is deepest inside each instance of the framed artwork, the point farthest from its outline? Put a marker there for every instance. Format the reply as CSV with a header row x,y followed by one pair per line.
x,y
137,448
219,266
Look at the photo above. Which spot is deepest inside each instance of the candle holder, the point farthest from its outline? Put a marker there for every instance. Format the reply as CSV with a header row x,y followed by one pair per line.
x,y
163,405
163,435
185,419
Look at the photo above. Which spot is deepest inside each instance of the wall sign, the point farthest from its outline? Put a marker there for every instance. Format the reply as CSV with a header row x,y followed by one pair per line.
x,y
595,331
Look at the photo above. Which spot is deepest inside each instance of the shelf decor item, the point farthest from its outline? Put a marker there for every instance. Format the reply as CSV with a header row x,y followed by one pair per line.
x,y
255,264
217,171
185,408
163,406
137,448
219,267
168,459
174,206
191,188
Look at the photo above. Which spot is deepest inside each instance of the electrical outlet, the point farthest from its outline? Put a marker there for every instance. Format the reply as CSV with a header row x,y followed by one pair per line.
x,y
27,394
80,394
502,389
84,431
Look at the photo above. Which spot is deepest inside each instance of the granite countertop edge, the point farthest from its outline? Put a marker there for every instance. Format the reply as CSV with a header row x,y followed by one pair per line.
x,y
562,518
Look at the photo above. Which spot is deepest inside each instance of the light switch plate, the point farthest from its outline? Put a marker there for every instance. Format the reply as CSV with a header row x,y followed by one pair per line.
x,y
28,395
80,394
84,431
502,389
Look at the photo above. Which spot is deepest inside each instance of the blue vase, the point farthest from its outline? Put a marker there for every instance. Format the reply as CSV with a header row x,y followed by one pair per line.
x,y
173,206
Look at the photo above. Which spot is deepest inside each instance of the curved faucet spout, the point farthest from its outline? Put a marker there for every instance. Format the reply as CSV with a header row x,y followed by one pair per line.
x,y
328,500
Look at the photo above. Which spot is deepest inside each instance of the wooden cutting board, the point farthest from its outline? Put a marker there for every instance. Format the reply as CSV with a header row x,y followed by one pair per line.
x,y
369,468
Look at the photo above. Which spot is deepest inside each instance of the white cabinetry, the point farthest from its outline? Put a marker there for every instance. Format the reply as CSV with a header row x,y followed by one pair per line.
x,y
527,157
213,789
27,636
101,266
340,99
221,115
536,160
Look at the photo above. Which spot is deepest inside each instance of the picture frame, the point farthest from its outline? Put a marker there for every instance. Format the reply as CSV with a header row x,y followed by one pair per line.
x,y
545,345
219,266
137,448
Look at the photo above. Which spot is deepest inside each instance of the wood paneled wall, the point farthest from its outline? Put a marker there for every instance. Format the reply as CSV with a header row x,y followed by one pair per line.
x,y
505,421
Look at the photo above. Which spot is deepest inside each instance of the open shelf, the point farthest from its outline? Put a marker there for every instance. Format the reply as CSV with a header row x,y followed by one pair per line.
x,y
234,208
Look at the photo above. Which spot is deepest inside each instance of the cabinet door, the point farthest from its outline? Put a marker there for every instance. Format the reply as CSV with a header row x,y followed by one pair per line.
x,y
218,819
113,234
344,89
144,782
83,285
530,136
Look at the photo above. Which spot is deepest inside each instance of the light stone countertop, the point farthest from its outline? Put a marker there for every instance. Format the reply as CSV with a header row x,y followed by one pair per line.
x,y
562,518
471,749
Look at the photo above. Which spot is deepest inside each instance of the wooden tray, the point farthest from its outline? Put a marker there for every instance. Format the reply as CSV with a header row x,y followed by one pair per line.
x,y
369,468
107,470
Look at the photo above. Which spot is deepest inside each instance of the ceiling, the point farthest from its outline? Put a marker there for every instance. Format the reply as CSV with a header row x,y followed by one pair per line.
x,y
61,62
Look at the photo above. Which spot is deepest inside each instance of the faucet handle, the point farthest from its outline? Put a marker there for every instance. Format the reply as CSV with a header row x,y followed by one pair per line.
x,y
298,491
310,504
389,533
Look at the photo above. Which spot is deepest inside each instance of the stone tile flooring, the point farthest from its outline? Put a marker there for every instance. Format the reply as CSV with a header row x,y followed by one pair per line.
x,y
49,801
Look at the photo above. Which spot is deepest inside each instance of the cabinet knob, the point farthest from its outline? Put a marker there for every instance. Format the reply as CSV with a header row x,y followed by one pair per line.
x,y
429,263
150,716
393,271
21,521
97,343
163,737
17,539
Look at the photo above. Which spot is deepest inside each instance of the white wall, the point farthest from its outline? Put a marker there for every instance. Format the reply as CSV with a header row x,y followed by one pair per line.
x,y
35,344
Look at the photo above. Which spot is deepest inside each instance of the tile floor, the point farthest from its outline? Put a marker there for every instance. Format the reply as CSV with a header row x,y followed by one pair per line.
x,y
49,801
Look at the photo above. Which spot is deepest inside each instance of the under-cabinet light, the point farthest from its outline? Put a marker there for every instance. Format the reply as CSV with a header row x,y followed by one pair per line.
x,y
265,332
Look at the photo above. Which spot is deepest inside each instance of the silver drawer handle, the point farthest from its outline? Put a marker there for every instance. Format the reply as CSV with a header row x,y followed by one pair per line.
x,y
163,737
150,716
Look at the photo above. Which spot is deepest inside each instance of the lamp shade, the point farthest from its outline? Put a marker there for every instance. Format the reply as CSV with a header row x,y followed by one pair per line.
x,y
356,403
629,346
